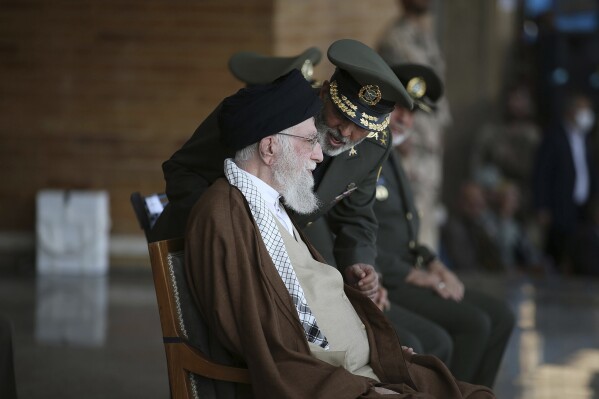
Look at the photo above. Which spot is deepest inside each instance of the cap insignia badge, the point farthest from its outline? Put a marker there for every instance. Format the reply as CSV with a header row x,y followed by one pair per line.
x,y
307,70
416,87
370,94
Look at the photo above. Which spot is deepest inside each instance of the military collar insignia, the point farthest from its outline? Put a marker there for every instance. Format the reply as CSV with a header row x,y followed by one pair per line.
x,y
378,137
353,151
370,94
373,135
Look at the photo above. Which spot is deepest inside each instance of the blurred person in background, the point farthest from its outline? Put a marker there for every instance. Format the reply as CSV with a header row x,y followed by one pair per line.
x,y
565,179
411,39
516,248
505,150
425,297
467,240
586,244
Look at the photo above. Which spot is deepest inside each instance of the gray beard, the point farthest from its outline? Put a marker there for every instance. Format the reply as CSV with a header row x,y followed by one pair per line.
x,y
324,132
295,183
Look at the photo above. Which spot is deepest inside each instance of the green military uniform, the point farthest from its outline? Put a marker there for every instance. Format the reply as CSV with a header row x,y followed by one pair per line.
x,y
346,182
479,325
414,331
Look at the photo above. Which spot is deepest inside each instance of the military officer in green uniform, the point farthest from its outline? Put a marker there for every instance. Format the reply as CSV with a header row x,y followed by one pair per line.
x,y
416,280
353,134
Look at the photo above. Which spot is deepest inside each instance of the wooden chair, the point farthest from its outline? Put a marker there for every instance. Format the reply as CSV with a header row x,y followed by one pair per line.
x,y
188,343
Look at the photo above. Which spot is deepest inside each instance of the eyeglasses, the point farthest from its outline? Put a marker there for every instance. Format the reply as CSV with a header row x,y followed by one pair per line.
x,y
312,140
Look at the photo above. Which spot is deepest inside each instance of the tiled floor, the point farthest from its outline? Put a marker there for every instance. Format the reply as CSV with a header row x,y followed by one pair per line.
x,y
100,337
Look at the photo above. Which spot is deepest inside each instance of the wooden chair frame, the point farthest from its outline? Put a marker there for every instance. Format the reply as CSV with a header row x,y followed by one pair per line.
x,y
182,358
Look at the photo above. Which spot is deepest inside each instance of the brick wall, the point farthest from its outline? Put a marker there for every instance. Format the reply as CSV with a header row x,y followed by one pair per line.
x,y
96,94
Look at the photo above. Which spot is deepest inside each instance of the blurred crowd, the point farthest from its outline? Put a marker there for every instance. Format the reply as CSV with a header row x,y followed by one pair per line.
x,y
529,200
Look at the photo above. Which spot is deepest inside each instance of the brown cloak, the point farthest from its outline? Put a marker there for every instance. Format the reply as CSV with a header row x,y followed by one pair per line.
x,y
244,301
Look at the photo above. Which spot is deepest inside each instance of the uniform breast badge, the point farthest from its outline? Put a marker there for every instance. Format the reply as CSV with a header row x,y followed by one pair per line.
x,y
382,193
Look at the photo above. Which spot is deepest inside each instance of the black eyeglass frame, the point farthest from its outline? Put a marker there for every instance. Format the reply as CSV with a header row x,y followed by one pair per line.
x,y
312,140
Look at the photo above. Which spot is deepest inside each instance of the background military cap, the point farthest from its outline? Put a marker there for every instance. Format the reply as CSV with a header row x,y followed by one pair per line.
x,y
363,87
422,84
253,68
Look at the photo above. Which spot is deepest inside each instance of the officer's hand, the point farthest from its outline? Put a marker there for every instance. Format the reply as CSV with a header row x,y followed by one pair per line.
x,y
454,286
451,282
425,279
364,278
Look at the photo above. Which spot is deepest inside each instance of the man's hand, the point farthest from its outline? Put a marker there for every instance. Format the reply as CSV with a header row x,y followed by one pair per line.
x,y
446,286
382,300
453,285
364,278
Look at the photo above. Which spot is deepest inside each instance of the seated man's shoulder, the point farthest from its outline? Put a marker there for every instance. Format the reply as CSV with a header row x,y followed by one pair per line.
x,y
217,200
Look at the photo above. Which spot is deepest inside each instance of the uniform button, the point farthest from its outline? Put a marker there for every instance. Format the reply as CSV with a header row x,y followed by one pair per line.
x,y
412,244
409,216
309,224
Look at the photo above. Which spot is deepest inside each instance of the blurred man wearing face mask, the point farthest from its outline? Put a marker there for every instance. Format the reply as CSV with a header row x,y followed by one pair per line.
x,y
467,329
565,178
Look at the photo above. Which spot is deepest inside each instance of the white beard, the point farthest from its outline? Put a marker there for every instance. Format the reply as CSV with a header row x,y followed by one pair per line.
x,y
295,182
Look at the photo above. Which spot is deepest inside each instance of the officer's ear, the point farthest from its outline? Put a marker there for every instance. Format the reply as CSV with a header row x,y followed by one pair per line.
x,y
267,148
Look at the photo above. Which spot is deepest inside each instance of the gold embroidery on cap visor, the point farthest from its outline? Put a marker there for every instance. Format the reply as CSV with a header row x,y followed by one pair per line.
x,y
349,109
344,105
375,127
370,94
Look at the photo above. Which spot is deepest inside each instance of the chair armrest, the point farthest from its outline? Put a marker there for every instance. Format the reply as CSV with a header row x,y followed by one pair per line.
x,y
196,362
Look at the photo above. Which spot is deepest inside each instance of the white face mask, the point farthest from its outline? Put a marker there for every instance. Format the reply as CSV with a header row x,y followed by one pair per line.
x,y
398,139
585,119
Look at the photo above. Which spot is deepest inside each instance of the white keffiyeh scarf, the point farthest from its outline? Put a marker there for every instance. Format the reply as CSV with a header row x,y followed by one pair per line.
x,y
276,249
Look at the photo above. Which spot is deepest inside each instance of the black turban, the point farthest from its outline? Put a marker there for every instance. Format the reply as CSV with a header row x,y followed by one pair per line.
x,y
262,110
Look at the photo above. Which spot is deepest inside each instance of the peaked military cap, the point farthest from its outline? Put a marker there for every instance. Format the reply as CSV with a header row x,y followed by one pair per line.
x,y
253,68
422,84
363,87
258,111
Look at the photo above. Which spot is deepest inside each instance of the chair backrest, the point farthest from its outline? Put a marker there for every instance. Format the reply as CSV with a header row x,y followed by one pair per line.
x,y
195,358
148,208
